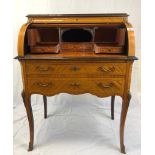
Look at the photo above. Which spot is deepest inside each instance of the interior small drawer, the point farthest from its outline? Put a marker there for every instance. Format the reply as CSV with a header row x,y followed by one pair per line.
x,y
108,49
44,49
77,47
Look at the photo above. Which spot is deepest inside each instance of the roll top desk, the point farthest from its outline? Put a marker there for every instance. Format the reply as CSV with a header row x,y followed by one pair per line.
x,y
76,54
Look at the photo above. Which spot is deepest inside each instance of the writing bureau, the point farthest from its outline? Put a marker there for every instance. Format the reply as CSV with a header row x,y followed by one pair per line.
x,y
76,54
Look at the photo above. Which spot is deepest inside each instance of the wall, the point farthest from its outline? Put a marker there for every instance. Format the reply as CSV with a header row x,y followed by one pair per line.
x,y
24,7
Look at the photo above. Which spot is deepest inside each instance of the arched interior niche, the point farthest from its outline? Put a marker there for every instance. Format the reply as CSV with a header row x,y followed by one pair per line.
x,y
76,35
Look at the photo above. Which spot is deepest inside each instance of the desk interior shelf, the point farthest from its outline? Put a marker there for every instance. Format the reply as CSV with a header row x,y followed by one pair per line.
x,y
104,38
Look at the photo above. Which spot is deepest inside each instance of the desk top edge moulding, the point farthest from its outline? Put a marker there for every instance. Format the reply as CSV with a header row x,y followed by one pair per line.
x,y
76,54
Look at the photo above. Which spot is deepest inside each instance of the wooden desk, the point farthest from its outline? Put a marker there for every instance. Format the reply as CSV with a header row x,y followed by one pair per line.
x,y
75,71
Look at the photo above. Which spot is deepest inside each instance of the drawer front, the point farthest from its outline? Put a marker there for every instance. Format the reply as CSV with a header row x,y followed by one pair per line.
x,y
106,69
54,69
97,86
77,69
102,49
76,47
44,49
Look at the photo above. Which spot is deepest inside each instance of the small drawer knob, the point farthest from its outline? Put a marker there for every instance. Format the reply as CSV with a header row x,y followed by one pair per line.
x,y
110,50
75,68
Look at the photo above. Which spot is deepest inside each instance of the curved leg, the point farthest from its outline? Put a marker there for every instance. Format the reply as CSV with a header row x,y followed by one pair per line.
x,y
27,103
112,107
45,106
125,105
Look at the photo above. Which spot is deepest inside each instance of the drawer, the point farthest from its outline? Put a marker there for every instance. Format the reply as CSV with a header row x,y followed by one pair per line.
x,y
106,69
98,86
108,49
77,69
44,49
77,47
53,69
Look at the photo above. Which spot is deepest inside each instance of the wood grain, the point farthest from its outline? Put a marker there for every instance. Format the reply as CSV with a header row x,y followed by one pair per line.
x,y
79,69
78,20
21,39
101,87
131,39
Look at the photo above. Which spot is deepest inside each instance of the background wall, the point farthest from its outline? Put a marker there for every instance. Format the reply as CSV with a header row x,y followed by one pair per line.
x,y
22,8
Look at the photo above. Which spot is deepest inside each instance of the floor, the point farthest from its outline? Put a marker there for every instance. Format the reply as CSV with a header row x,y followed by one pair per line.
x,y
77,125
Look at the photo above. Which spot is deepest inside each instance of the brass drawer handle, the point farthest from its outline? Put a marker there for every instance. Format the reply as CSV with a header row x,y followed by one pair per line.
x,y
75,84
101,85
43,84
75,68
103,69
43,69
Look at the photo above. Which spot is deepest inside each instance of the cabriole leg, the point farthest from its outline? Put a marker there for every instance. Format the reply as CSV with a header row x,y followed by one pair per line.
x,y
27,103
125,105
112,107
45,106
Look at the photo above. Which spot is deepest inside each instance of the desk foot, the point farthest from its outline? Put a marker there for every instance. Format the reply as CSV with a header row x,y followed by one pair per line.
x,y
30,147
123,149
